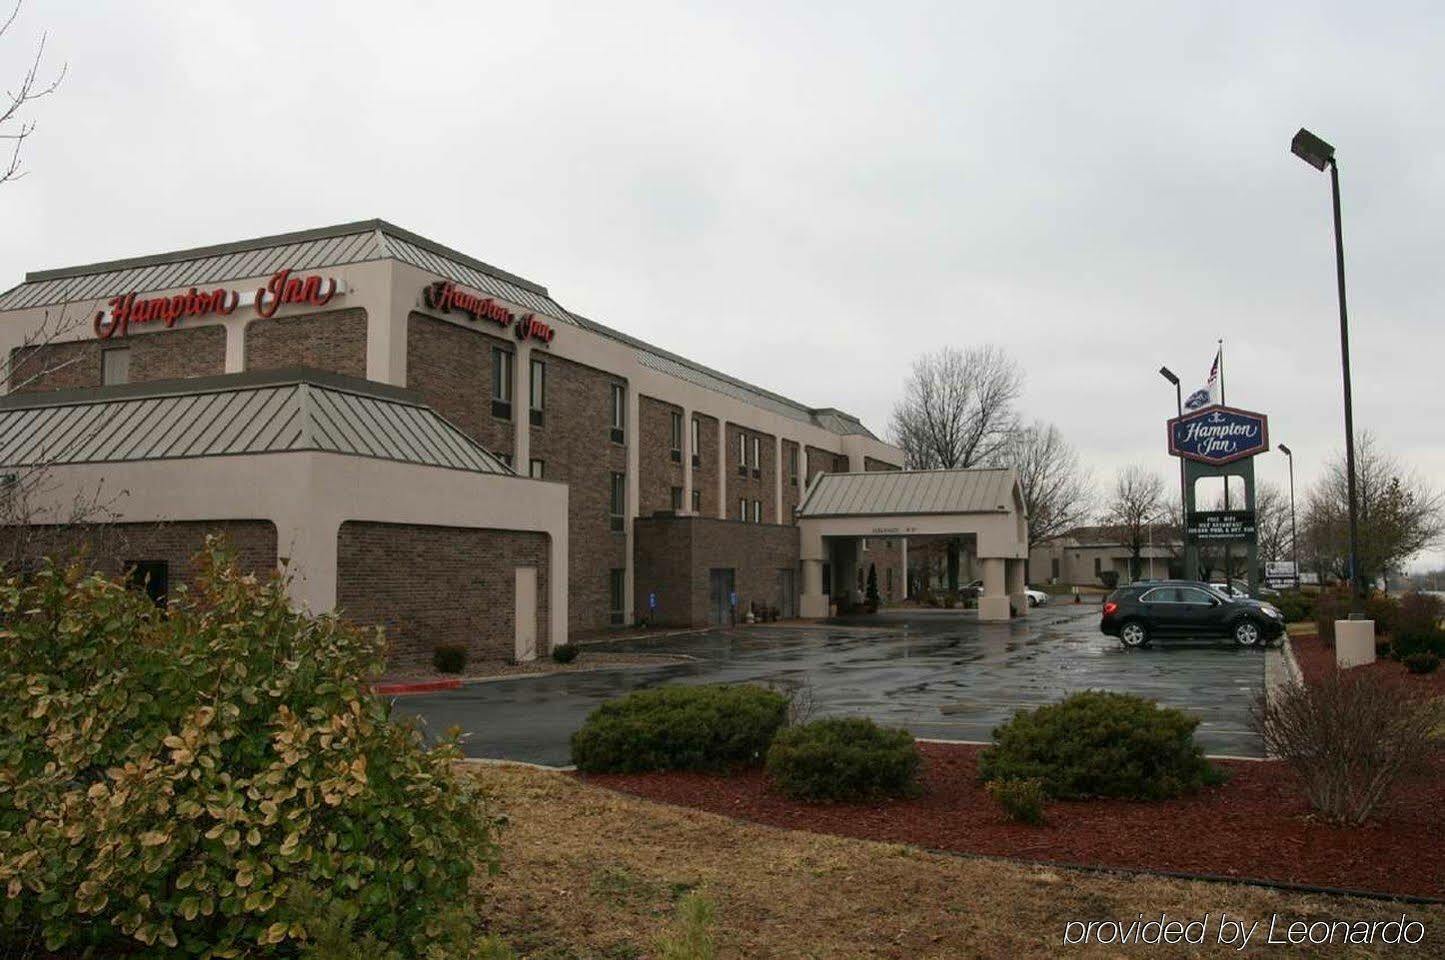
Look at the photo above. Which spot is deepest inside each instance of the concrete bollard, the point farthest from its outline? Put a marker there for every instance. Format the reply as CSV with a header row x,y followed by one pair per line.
x,y
1354,643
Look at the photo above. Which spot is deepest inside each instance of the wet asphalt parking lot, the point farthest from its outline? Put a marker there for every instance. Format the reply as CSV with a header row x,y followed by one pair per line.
x,y
940,675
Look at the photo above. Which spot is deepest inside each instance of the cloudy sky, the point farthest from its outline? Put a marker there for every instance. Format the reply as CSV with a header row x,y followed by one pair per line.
x,y
808,195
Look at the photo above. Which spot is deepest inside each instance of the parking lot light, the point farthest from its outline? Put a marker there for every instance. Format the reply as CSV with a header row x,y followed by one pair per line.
x,y
1169,375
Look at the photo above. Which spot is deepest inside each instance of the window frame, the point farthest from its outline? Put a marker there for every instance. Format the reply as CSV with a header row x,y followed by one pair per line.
x,y
696,442
675,435
504,383
696,500
617,596
757,511
617,502
105,354
537,392
617,429
675,499
537,468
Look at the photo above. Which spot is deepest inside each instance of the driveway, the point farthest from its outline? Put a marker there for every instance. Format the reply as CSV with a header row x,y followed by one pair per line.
x,y
940,676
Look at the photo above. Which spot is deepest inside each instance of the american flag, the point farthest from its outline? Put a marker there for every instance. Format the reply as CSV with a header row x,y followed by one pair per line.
x,y
1213,381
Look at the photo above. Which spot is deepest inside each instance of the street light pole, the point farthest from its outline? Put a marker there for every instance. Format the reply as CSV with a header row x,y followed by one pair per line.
x,y
1293,533
1169,375
1319,154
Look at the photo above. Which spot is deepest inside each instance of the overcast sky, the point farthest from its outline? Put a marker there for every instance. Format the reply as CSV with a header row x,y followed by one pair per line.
x,y
809,195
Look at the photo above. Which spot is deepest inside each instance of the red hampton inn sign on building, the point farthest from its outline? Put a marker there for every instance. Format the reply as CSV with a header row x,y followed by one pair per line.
x,y
282,288
444,296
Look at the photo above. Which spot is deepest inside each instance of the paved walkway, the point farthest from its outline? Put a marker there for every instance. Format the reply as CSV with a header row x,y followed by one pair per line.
x,y
940,677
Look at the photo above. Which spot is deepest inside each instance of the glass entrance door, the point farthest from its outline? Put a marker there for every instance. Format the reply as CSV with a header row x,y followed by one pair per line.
x,y
720,593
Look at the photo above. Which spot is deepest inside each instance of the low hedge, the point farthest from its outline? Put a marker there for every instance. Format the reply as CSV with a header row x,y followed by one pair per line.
x,y
712,728
844,758
1099,744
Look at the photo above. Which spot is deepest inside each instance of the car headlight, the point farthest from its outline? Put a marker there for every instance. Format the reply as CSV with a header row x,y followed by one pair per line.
x,y
1272,610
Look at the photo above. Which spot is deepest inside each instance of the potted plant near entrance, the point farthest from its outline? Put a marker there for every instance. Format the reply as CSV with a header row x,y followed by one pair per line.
x,y
870,598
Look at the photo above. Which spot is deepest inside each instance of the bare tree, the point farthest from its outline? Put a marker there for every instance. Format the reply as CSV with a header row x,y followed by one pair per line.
x,y
1400,515
1137,504
1056,488
957,411
14,125
957,408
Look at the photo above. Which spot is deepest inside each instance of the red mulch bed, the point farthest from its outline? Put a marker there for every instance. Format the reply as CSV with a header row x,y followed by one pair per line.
x,y
1257,826
1317,659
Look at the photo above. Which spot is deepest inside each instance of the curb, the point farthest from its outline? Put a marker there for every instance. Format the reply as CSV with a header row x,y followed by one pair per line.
x,y
421,686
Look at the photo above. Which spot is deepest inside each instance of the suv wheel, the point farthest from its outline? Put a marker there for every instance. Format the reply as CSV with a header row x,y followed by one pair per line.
x,y
1033,602
1134,634
1246,633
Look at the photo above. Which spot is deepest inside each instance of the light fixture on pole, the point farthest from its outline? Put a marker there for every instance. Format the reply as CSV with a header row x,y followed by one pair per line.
x,y
1318,154
1169,375
1293,533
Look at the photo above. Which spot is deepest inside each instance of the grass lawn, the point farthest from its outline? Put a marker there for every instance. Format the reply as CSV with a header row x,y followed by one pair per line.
x,y
591,873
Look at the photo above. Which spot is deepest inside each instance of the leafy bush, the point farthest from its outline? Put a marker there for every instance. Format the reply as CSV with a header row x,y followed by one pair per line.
x,y
213,777
713,727
565,652
1422,662
1098,744
1384,610
1022,800
1296,606
449,658
1109,578
870,597
1404,645
1420,613
844,758
1351,737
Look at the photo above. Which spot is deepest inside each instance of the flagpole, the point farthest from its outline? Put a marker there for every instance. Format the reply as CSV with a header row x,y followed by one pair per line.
x,y
1228,545
1222,402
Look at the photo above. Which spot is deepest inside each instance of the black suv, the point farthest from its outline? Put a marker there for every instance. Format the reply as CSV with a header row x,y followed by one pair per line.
x,y
1139,612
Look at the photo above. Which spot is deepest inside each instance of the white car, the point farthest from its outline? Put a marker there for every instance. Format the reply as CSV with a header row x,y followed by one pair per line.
x,y
1037,598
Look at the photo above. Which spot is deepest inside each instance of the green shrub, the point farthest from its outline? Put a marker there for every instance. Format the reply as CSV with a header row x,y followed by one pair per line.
x,y
1098,744
1022,800
714,727
1403,645
1420,613
844,758
565,652
449,658
1422,662
1384,610
1296,606
214,777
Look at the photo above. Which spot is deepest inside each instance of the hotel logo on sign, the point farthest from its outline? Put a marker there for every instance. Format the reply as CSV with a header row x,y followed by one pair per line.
x,y
1218,435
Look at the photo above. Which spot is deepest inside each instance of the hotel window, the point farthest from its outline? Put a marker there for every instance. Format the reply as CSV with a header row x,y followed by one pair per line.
x,y
619,413
1098,566
538,389
696,442
743,509
501,384
742,456
757,511
676,500
865,544
697,501
793,466
115,366
616,591
505,458
536,469
757,461
617,503
676,437
151,577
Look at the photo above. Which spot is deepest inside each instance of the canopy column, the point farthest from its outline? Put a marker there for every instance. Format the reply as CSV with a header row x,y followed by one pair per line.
x,y
993,603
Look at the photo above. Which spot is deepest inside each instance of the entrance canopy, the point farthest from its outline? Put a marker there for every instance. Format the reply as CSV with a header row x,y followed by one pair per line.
x,y
986,503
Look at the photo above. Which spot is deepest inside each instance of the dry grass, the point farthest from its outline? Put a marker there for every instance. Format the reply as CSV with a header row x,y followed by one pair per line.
x,y
590,873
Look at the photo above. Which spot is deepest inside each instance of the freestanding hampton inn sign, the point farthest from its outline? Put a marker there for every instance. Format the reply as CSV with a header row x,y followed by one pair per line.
x,y
1219,435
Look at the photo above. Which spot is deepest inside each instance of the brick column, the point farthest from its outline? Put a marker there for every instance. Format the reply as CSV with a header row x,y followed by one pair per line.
x,y
634,431
522,409
687,452
722,469
778,479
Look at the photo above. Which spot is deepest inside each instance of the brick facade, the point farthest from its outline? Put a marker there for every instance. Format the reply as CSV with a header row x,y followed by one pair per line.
x,y
576,447
705,473
172,354
113,548
658,472
825,461
759,484
433,585
792,485
334,341
451,367
674,557
886,555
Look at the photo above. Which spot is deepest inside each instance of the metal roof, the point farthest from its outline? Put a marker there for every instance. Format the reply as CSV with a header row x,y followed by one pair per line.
x,y
278,412
364,241
900,492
